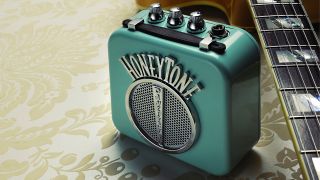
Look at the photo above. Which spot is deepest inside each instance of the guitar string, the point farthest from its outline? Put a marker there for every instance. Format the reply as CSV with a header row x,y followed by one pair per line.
x,y
306,121
308,70
312,30
287,40
307,64
315,53
276,69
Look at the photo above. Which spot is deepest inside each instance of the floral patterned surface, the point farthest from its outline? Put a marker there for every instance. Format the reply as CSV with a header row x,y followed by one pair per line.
x,y
55,115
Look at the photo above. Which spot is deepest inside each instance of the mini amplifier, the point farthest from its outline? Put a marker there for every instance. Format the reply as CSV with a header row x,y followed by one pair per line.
x,y
186,86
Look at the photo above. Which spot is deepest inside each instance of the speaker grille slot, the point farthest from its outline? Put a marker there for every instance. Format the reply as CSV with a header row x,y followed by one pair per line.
x,y
177,127
176,131
142,106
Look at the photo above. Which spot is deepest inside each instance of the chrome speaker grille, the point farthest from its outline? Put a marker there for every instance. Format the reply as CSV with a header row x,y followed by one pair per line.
x,y
161,115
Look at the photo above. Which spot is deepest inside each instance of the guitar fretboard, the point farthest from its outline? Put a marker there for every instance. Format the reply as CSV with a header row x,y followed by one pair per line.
x,y
293,52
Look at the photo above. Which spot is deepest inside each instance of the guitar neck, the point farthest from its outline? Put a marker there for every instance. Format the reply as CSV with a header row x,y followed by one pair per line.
x,y
292,51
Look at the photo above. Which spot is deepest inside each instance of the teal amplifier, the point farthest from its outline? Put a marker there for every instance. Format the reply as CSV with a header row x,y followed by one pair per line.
x,y
186,86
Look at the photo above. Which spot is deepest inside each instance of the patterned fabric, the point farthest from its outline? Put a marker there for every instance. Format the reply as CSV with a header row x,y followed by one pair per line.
x,y
55,115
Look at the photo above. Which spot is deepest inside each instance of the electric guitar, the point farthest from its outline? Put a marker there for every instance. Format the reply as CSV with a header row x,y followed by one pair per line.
x,y
292,50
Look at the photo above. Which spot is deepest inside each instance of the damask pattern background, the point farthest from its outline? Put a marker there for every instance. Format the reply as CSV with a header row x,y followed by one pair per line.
x,y
55,114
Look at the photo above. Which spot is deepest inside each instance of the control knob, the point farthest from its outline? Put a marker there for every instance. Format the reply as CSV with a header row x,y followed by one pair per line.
x,y
196,23
156,14
175,18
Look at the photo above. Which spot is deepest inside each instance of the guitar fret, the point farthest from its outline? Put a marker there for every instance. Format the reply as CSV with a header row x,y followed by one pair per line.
x,y
305,117
265,2
273,30
299,88
295,65
309,151
261,4
280,15
285,46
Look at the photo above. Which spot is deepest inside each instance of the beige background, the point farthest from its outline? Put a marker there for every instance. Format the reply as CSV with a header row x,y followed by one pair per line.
x,y
55,116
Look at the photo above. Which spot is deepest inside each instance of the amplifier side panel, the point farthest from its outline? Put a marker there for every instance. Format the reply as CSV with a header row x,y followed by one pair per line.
x,y
245,126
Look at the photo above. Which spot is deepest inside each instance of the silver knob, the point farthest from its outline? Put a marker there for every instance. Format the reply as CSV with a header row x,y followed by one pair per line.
x,y
196,23
175,18
156,14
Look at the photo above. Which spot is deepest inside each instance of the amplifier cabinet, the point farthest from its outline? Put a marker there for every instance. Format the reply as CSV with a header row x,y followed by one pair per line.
x,y
186,87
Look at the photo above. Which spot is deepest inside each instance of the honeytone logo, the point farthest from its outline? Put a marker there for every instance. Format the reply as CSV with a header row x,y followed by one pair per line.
x,y
165,69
